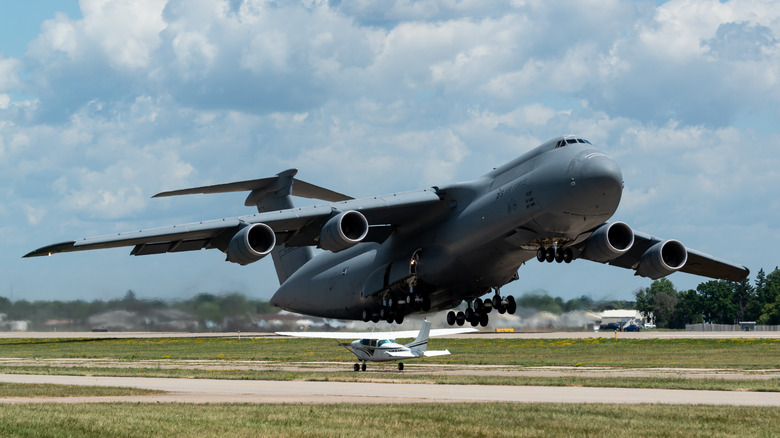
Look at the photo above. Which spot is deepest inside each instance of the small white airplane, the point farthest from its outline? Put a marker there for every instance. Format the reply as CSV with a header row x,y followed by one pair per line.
x,y
382,347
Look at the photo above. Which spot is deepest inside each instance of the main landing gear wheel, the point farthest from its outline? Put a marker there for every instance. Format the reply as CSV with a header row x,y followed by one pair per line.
x,y
366,316
357,367
451,317
400,366
559,254
363,367
477,311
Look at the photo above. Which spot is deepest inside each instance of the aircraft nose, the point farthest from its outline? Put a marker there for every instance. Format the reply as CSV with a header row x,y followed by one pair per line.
x,y
596,185
600,175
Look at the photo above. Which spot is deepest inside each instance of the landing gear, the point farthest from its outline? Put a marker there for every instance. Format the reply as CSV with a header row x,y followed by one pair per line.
x,y
477,311
557,254
400,366
363,367
359,367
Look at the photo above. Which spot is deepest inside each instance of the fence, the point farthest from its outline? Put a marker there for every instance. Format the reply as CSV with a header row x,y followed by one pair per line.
x,y
728,328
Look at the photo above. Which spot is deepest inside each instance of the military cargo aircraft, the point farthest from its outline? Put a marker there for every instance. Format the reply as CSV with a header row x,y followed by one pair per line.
x,y
385,257
382,346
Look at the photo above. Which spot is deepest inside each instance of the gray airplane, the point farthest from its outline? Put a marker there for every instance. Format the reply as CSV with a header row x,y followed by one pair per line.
x,y
385,257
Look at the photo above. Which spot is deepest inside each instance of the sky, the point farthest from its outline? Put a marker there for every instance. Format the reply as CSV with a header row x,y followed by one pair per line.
x,y
104,103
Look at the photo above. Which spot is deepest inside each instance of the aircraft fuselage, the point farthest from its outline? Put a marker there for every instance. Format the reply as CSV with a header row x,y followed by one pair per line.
x,y
476,239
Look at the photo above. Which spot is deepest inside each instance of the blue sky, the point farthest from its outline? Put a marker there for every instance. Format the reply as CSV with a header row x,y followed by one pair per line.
x,y
104,103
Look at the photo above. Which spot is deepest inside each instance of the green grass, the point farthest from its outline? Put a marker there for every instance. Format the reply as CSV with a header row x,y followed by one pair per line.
x,y
48,390
709,353
387,420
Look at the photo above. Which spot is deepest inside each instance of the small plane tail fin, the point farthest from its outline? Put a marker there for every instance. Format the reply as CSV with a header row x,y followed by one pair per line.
x,y
269,194
420,344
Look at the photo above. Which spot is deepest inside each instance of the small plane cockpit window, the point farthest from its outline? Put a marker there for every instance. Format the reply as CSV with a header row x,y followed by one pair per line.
x,y
571,140
364,342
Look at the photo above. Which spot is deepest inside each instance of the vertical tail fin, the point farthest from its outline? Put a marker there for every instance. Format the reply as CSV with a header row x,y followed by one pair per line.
x,y
420,344
269,194
278,196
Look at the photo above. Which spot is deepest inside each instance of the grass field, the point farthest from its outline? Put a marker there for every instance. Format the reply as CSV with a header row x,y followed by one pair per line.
x,y
742,353
392,420
46,390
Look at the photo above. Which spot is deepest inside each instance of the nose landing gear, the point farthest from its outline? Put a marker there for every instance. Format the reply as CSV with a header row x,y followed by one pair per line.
x,y
477,311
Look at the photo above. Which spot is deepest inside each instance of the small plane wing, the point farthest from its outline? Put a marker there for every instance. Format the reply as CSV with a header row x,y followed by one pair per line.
x,y
698,262
377,335
293,227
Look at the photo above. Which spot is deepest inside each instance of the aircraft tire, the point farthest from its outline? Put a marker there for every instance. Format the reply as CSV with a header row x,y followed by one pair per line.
x,y
474,321
511,305
375,318
426,303
550,255
399,318
487,306
366,316
400,366
568,255
357,367
483,319
502,309
478,305
451,318
541,254
559,255
469,314
363,367
460,318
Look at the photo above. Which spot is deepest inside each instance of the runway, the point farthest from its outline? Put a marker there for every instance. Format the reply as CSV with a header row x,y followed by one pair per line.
x,y
260,391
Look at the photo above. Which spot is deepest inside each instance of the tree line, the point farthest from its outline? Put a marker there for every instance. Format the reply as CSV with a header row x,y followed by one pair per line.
x,y
208,309
715,301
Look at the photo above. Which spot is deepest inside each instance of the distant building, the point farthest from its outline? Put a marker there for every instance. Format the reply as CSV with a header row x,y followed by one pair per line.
x,y
624,317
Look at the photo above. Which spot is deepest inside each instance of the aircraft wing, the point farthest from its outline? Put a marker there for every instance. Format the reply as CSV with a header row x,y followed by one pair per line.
x,y
294,227
432,353
377,335
698,262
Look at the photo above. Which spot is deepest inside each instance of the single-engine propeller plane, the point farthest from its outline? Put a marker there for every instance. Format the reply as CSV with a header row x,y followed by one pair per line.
x,y
386,257
382,347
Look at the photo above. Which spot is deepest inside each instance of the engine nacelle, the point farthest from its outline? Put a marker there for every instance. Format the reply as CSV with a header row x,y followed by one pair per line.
x,y
250,244
609,242
662,259
343,231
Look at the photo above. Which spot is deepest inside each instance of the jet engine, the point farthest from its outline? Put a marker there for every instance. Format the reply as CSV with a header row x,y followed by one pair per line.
x,y
662,259
343,231
608,242
250,244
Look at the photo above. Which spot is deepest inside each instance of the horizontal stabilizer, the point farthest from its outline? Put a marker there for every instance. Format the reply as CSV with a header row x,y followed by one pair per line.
x,y
432,353
299,188
401,354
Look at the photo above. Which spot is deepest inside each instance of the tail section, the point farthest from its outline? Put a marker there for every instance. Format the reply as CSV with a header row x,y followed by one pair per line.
x,y
269,194
420,344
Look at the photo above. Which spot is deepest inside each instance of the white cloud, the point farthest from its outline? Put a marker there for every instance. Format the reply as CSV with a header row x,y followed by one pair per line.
x,y
368,97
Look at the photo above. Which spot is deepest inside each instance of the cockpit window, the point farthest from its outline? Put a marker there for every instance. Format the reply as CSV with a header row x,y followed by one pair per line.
x,y
385,341
567,141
